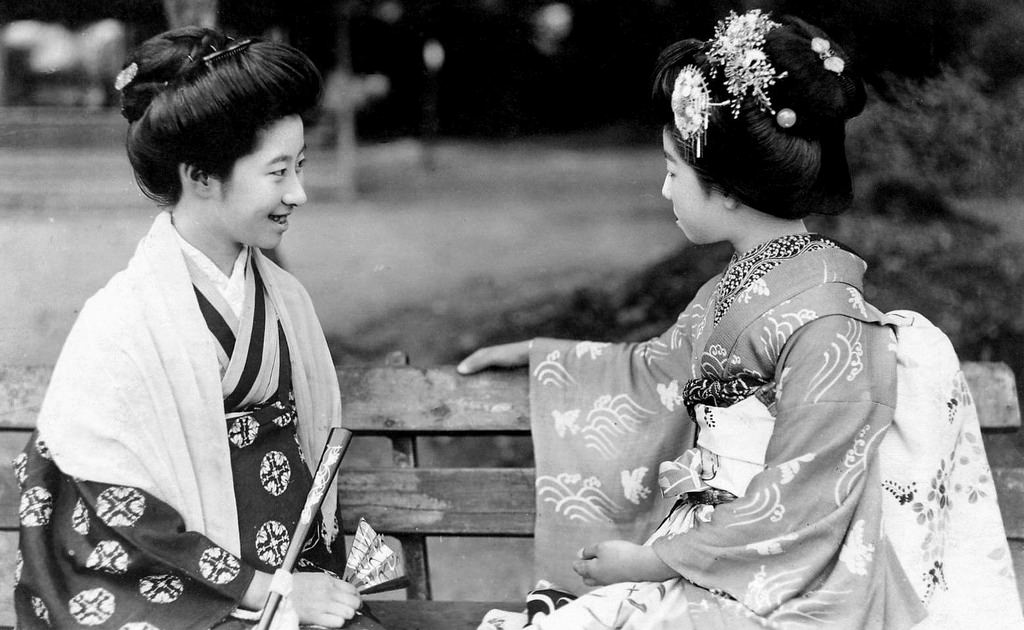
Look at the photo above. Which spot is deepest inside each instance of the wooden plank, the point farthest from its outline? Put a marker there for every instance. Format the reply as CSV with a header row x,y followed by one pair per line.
x,y
462,501
995,393
440,501
417,566
408,399
1010,492
8,556
438,400
420,615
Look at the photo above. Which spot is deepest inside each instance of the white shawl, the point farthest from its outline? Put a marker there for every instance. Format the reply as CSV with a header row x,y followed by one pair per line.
x,y
135,398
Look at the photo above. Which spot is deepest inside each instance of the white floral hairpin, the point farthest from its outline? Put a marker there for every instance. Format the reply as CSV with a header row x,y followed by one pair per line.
x,y
691,106
738,49
126,76
832,61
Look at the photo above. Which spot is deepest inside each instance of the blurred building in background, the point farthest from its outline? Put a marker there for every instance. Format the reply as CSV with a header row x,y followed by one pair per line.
x,y
508,67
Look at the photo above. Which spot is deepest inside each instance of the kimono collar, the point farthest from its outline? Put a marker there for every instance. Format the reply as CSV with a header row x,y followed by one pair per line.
x,y
775,281
232,288
747,268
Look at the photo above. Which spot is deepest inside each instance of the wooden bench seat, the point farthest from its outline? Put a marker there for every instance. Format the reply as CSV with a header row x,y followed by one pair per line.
x,y
412,503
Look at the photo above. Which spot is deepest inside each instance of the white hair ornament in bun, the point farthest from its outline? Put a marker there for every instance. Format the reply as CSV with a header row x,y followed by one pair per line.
x,y
738,49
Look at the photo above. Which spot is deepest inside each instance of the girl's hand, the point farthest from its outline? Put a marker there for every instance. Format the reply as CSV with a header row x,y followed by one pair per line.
x,y
614,561
322,600
506,355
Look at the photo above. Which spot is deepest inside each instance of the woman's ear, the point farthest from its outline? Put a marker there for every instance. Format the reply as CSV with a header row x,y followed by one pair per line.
x,y
195,180
730,203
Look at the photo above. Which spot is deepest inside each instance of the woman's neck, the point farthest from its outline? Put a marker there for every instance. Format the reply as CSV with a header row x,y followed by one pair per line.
x,y
754,227
201,235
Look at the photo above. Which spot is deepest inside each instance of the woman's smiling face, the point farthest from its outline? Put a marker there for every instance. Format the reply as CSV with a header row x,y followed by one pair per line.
x,y
255,200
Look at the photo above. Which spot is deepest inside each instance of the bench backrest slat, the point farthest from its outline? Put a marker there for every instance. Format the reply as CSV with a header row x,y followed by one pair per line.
x,y
437,400
440,501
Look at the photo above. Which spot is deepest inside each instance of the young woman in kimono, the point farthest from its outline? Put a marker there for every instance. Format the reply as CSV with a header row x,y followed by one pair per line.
x,y
195,391
788,375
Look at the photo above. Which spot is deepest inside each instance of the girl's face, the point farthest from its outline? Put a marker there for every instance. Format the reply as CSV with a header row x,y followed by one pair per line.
x,y
255,200
700,215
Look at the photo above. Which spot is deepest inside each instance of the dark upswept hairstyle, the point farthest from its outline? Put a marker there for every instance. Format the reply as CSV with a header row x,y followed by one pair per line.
x,y
786,172
184,110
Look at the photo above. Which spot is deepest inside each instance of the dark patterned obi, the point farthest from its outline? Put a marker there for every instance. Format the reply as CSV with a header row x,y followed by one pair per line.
x,y
271,481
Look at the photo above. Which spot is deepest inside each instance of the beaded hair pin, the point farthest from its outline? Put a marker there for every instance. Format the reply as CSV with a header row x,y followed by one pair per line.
x,y
737,49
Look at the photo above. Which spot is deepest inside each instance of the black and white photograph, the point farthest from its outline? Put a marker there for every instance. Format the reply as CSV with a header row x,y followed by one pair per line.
x,y
511,314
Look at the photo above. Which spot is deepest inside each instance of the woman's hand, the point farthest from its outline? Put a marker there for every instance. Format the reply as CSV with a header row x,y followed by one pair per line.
x,y
506,355
316,597
323,600
614,561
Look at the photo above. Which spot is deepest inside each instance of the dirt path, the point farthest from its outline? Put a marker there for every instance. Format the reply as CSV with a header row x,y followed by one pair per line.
x,y
489,226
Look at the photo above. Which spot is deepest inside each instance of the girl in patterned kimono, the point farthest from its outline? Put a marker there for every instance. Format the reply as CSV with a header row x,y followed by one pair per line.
x,y
761,413
185,415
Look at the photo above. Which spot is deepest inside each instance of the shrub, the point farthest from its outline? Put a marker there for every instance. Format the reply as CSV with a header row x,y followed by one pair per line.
x,y
945,134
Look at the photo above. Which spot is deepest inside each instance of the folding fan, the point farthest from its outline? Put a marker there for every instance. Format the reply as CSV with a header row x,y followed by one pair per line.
x,y
372,565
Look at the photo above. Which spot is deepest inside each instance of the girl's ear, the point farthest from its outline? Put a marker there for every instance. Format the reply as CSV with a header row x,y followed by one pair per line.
x,y
730,203
195,180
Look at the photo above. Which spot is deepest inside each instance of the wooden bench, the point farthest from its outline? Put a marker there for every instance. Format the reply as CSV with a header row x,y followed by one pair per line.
x,y
412,503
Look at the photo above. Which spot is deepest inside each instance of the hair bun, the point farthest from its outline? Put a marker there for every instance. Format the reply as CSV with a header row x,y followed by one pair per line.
x,y
820,82
162,62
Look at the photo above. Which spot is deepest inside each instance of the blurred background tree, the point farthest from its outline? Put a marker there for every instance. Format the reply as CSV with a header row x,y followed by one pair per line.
x,y
536,66
190,12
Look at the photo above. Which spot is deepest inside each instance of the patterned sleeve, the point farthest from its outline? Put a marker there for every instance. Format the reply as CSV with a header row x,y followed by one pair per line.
x,y
603,416
93,553
806,523
651,371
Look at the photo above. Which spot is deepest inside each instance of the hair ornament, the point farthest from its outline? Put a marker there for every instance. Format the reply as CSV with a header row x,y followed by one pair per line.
x,y
786,118
691,106
230,51
126,76
738,49
832,61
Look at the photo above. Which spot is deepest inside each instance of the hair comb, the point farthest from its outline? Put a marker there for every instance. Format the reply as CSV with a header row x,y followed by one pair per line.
x,y
230,51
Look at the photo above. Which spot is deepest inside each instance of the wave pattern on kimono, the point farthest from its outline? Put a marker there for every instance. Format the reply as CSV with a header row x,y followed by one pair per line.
x,y
803,544
108,555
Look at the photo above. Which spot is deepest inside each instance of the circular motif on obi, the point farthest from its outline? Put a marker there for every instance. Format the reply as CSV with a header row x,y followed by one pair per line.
x,y
243,431
80,518
108,556
40,609
275,473
138,625
36,507
92,607
44,450
285,418
272,543
21,469
218,566
120,507
161,589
